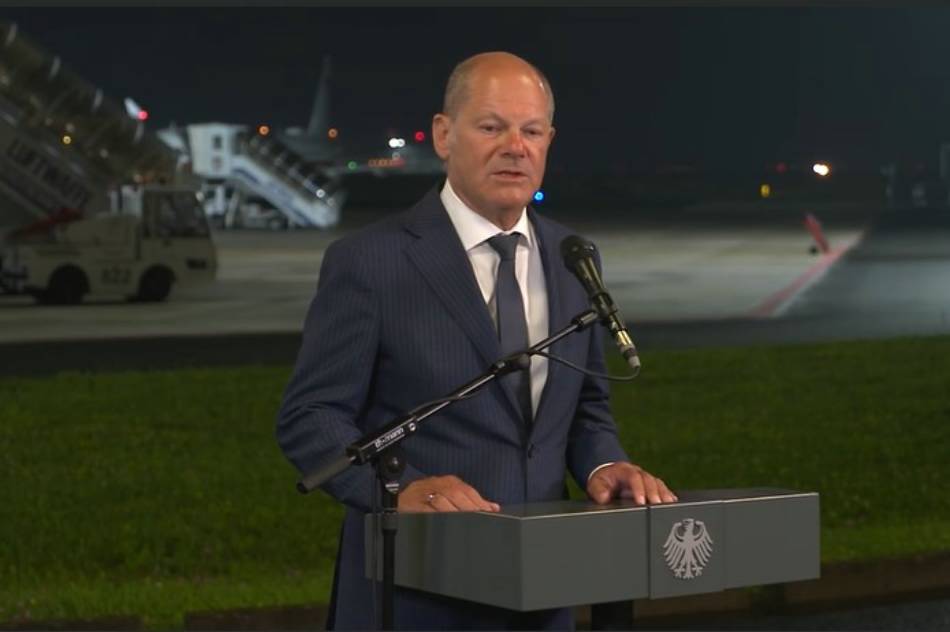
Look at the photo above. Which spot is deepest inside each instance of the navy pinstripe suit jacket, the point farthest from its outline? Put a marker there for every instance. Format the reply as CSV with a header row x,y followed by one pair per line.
x,y
398,319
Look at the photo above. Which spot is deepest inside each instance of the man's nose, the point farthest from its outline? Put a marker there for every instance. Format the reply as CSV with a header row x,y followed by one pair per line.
x,y
514,143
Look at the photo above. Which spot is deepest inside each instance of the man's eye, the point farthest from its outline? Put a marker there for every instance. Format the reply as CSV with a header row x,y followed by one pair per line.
x,y
489,128
533,132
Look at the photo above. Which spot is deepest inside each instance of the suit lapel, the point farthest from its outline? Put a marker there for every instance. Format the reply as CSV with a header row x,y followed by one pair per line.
x,y
442,262
553,278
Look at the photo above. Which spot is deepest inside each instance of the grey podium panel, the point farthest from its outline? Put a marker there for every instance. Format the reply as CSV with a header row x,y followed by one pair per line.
x,y
567,553
526,557
772,540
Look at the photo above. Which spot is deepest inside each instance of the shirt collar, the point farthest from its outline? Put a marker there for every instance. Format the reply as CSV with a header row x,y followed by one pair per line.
x,y
472,228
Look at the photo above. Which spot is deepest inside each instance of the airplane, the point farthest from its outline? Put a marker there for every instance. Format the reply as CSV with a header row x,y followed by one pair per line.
x,y
320,143
290,177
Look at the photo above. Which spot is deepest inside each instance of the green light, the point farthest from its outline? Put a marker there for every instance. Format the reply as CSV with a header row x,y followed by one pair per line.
x,y
351,165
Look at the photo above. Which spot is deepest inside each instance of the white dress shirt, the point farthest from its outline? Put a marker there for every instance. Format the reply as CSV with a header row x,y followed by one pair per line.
x,y
474,231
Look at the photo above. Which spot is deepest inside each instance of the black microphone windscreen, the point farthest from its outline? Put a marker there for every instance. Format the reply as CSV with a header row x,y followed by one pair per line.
x,y
575,248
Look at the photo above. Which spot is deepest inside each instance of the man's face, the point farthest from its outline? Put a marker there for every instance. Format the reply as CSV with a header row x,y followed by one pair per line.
x,y
496,145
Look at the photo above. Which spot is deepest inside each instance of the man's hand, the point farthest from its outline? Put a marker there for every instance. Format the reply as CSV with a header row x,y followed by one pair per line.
x,y
626,480
443,493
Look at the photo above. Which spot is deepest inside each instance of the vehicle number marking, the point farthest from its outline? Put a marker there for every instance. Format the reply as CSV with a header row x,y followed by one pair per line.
x,y
116,275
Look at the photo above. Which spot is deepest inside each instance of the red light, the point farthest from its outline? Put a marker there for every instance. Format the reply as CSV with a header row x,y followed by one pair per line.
x,y
420,136
143,115
781,167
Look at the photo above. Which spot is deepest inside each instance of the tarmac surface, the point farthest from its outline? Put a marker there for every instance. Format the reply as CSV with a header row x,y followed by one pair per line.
x,y
684,266
721,277
668,268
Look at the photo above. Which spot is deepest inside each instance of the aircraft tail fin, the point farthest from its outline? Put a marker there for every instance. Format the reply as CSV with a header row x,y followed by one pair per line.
x,y
320,114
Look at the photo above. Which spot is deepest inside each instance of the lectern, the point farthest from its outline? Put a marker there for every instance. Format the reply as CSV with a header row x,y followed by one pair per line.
x,y
570,553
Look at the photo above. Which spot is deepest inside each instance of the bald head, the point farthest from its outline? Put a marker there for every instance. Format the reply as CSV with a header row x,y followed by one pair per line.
x,y
458,88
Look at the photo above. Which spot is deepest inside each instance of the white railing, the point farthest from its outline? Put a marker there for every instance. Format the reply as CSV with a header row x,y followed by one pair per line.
x,y
304,196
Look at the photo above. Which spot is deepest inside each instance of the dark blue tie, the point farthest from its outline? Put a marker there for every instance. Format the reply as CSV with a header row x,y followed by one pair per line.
x,y
512,328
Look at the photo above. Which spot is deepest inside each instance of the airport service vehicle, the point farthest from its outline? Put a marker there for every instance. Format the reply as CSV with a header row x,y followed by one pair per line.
x,y
159,237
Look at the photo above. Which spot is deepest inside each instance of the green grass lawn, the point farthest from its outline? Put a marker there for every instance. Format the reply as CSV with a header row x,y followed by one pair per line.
x,y
160,493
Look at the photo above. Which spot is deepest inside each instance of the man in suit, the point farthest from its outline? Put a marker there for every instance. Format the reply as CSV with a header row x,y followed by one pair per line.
x,y
410,308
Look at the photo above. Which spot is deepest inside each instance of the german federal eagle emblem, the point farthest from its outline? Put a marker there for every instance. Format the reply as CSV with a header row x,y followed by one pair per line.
x,y
688,548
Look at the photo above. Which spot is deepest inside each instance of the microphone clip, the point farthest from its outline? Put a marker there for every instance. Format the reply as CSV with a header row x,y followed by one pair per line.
x,y
512,363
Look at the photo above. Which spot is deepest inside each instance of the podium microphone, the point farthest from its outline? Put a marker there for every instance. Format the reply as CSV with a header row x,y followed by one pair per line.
x,y
578,254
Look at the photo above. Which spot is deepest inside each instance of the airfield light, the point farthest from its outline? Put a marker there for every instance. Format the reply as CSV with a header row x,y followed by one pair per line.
x,y
263,130
539,196
393,143
420,136
333,133
67,139
765,191
351,165
781,167
142,115
822,169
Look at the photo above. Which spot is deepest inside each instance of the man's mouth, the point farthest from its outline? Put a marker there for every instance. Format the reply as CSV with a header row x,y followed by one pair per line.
x,y
507,173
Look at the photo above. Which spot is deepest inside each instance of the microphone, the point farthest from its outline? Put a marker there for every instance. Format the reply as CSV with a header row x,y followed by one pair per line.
x,y
578,256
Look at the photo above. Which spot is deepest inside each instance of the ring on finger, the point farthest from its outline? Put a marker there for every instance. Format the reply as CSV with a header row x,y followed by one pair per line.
x,y
430,497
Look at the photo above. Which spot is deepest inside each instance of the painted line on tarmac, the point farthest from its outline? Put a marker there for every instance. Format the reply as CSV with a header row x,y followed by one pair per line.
x,y
777,303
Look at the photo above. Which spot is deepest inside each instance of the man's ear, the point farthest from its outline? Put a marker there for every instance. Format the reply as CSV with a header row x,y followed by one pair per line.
x,y
441,131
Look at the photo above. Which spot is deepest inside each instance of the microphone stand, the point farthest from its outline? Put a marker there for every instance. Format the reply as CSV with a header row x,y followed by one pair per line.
x,y
381,448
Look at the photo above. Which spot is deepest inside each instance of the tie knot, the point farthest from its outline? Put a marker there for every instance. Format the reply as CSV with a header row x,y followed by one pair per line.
x,y
504,245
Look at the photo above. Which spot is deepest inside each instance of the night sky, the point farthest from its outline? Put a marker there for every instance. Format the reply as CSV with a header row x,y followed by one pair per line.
x,y
637,87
